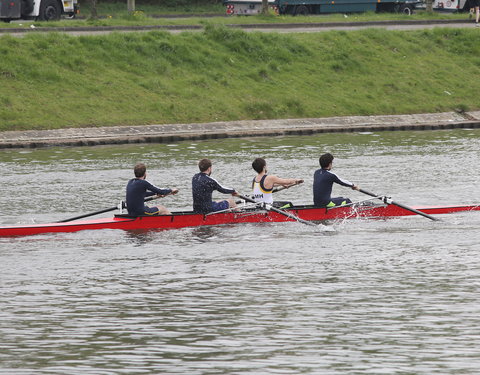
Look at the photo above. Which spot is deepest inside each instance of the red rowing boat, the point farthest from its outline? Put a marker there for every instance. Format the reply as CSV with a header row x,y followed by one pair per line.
x,y
191,219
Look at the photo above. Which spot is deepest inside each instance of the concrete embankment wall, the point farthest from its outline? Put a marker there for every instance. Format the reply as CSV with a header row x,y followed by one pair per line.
x,y
215,130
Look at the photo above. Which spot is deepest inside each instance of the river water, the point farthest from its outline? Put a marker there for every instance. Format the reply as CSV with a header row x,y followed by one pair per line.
x,y
396,296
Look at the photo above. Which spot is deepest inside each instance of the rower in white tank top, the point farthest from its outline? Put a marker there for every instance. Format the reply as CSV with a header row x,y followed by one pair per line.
x,y
260,193
263,184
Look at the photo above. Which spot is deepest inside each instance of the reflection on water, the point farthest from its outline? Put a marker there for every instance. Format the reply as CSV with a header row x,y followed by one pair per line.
x,y
186,236
204,234
390,296
139,237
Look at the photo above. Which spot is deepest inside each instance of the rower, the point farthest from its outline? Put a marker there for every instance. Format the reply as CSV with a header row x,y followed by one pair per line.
x,y
138,188
323,180
263,184
202,188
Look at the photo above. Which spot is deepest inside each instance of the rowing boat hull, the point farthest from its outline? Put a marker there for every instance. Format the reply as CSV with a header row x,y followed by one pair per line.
x,y
190,219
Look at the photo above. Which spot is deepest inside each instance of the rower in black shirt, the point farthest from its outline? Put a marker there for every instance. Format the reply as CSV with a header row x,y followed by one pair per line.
x,y
138,188
323,180
202,188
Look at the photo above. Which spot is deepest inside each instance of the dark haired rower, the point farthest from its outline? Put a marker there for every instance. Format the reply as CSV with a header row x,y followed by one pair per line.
x,y
138,188
202,188
263,184
323,180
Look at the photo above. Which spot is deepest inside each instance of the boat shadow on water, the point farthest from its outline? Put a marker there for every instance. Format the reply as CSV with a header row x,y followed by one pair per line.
x,y
225,233
203,234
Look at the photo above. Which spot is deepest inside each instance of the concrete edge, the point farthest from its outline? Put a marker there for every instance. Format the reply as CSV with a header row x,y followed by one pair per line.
x,y
235,129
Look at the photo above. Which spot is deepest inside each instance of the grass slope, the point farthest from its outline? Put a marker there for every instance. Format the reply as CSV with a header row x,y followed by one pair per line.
x,y
54,80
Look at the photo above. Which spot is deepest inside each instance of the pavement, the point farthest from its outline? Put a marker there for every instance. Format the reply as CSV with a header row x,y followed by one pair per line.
x,y
248,128
265,27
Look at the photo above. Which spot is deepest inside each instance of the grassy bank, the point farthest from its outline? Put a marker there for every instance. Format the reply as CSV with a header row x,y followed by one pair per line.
x,y
55,81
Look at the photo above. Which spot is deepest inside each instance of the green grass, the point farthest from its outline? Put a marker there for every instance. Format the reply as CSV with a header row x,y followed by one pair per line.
x,y
53,80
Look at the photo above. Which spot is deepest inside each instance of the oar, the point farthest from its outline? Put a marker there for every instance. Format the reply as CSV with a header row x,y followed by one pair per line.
x,y
286,187
105,210
389,201
277,210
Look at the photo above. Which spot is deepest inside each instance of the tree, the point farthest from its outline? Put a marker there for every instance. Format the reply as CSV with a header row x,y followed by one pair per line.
x,y
265,7
429,6
93,9
131,6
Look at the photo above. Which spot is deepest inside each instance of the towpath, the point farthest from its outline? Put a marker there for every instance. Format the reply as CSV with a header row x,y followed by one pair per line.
x,y
281,28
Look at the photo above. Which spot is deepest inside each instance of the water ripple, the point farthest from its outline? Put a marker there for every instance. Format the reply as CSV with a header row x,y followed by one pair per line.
x,y
395,296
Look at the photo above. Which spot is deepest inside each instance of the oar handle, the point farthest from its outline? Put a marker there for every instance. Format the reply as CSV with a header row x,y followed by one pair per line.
x,y
245,198
389,201
381,197
148,199
286,187
156,196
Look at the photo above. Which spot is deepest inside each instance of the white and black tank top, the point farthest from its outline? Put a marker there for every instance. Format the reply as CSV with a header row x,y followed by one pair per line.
x,y
260,192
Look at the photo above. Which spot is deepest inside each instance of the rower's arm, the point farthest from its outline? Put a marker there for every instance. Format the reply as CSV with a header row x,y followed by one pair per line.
x,y
342,181
156,190
216,186
272,181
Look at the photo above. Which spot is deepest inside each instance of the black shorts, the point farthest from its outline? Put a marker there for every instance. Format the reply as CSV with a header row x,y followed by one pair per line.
x,y
151,211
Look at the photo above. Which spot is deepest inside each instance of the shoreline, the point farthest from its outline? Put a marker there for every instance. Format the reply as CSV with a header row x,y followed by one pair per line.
x,y
234,129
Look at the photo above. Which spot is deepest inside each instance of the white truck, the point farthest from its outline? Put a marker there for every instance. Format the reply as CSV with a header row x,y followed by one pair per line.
x,y
448,5
451,5
43,10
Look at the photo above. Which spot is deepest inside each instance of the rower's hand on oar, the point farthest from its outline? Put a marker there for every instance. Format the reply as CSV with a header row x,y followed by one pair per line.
x,y
297,182
173,192
355,187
